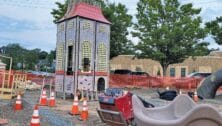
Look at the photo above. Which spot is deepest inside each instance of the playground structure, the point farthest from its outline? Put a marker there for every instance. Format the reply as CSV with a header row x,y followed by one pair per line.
x,y
82,53
11,83
181,112
210,85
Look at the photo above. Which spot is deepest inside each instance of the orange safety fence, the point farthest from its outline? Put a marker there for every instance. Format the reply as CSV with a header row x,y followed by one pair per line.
x,y
117,80
5,74
38,79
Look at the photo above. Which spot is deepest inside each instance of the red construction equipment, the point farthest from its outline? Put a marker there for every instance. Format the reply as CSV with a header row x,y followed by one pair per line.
x,y
75,107
18,103
116,107
35,121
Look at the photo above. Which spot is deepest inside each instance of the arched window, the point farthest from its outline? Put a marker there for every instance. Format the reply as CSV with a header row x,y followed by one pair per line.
x,y
86,56
102,58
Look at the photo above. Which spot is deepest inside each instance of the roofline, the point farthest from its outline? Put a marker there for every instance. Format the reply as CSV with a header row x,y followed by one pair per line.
x,y
82,17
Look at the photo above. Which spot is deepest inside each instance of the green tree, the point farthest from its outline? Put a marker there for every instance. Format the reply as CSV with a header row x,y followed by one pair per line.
x,y
17,53
168,32
42,55
215,29
51,56
60,12
30,59
24,59
121,21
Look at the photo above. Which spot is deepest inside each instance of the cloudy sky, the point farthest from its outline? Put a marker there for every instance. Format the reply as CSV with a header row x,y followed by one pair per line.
x,y
29,22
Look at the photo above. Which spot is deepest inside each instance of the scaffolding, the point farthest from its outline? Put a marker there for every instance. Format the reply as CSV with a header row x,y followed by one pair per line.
x,y
11,84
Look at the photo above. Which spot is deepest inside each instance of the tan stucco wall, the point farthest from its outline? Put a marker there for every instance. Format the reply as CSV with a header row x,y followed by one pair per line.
x,y
210,63
131,63
199,64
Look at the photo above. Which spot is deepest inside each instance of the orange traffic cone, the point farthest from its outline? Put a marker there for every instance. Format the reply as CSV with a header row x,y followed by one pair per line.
x,y
52,99
84,115
35,121
18,103
195,96
75,107
43,100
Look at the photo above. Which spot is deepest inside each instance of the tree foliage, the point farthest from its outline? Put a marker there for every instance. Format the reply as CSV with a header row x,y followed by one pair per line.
x,y
121,21
215,29
24,59
60,12
168,32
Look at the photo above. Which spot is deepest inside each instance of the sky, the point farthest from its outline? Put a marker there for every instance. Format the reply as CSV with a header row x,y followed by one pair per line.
x,y
29,22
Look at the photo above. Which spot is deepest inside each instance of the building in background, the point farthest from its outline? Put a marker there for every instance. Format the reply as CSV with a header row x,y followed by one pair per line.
x,y
132,63
82,48
205,64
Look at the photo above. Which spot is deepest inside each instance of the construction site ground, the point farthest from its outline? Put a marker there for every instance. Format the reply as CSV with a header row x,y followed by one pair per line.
x,y
58,116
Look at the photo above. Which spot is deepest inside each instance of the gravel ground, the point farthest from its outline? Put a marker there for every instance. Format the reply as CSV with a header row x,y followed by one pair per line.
x,y
58,116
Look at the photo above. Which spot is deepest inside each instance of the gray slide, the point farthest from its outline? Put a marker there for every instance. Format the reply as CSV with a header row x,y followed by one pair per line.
x,y
210,85
181,112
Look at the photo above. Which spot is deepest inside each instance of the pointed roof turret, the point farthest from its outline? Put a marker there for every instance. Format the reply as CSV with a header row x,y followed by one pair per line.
x,y
84,9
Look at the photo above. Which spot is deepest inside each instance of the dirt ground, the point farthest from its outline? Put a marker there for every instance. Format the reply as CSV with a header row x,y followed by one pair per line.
x,y
58,116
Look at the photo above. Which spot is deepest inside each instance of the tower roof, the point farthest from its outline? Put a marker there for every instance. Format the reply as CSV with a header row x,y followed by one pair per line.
x,y
86,11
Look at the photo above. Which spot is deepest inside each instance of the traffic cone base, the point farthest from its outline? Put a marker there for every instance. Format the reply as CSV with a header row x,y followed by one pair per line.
x,y
75,107
75,110
52,102
18,103
18,107
43,100
84,114
35,121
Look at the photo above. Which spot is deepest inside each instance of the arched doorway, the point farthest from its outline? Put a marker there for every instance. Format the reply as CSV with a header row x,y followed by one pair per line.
x,y
101,84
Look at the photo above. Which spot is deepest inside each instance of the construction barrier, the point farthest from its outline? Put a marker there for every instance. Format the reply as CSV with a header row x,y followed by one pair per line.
x,y
118,80
11,84
38,79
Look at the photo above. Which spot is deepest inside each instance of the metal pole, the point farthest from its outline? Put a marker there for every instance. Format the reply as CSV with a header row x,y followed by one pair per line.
x,y
43,85
10,70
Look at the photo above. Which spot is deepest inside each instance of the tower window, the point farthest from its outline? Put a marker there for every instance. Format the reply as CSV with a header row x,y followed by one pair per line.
x,y
86,25
86,56
102,58
70,60
101,28
61,27
70,24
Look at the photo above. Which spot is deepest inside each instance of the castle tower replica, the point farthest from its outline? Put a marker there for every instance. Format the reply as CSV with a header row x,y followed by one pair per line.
x,y
82,49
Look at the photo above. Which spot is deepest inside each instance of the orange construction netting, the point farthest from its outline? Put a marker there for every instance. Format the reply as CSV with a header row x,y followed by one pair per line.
x,y
118,80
